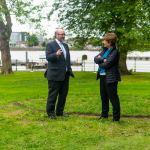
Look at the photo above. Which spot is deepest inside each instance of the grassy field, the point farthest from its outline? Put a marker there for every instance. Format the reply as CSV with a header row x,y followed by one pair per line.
x,y
24,123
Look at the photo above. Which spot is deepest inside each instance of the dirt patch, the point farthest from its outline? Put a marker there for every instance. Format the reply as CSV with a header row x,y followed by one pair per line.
x,y
24,122
81,114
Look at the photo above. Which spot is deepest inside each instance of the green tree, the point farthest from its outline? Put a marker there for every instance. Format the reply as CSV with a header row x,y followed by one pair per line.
x,y
94,41
129,19
79,42
32,40
24,11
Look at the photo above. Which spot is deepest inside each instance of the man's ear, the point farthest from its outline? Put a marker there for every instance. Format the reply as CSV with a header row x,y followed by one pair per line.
x,y
55,34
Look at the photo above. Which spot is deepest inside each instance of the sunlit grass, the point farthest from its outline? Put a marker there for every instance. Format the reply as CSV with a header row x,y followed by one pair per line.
x,y
24,124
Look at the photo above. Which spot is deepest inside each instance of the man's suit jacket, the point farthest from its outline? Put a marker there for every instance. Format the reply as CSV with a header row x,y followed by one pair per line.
x,y
111,66
57,65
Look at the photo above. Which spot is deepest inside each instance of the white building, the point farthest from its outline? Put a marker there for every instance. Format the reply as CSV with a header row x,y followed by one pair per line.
x,y
18,38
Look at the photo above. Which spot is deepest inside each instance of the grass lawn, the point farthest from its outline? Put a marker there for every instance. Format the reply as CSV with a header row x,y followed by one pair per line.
x,y
24,124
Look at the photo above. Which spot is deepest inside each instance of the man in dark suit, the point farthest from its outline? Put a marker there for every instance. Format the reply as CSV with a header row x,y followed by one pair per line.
x,y
108,61
58,72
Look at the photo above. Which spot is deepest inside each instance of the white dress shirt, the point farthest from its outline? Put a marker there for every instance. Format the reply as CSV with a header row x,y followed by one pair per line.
x,y
62,47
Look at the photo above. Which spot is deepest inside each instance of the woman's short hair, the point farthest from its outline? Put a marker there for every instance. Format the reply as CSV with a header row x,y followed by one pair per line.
x,y
111,37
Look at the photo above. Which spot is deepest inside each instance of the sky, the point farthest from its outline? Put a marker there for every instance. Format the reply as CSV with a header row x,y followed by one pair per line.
x,y
48,26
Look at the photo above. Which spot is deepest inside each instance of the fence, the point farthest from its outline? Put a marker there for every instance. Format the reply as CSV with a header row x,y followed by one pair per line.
x,y
136,65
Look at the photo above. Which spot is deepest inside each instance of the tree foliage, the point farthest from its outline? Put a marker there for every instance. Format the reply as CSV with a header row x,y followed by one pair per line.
x,y
79,42
129,19
24,11
32,40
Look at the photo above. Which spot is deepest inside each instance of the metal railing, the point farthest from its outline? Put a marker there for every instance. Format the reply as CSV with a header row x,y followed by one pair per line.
x,y
135,65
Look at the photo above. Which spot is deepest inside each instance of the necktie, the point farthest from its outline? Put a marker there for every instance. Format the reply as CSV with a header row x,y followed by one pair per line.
x,y
63,49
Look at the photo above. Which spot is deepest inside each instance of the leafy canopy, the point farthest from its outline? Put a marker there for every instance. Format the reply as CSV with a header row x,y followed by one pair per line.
x,y
23,10
130,19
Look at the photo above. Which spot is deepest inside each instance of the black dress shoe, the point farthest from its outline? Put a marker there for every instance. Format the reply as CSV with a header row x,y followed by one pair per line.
x,y
52,116
62,115
102,117
115,120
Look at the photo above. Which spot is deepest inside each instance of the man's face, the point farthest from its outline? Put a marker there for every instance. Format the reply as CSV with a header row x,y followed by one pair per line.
x,y
60,35
106,44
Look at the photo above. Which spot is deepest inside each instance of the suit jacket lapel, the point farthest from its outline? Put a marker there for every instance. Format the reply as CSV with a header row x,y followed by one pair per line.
x,y
57,46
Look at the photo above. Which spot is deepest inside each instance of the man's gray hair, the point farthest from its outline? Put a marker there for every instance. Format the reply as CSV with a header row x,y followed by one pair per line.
x,y
57,29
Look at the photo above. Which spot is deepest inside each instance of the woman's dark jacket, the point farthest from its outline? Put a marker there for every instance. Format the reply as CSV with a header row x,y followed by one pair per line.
x,y
111,66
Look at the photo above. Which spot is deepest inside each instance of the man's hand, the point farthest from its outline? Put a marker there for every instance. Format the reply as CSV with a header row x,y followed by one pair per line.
x,y
104,60
59,52
99,56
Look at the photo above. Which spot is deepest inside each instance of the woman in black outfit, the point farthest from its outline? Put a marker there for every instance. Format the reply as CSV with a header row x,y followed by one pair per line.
x,y
108,72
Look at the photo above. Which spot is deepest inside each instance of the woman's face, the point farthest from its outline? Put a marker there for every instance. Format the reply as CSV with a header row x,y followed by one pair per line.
x,y
106,44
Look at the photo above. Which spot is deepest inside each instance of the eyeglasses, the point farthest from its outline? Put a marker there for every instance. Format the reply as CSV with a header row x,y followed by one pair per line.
x,y
61,34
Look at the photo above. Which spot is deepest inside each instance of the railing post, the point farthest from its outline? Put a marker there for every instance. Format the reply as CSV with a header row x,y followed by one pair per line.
x,y
135,64
16,64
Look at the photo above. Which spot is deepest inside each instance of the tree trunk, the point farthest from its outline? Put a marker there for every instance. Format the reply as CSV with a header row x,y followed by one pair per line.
x,y
5,57
123,64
